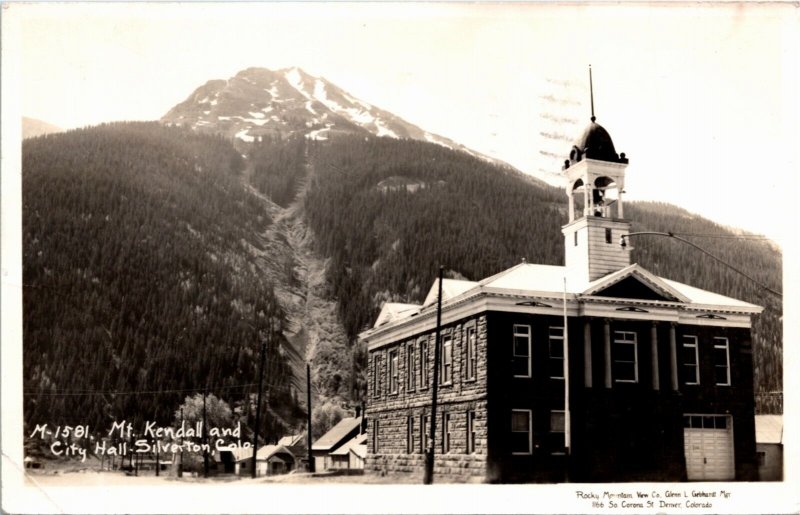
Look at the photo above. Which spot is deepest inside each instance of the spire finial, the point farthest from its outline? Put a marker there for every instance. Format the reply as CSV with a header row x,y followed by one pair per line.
x,y
591,91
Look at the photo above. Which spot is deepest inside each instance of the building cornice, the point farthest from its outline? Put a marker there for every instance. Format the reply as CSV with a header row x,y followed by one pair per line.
x,y
483,299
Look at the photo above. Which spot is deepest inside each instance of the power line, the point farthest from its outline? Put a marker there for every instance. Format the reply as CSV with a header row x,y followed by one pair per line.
x,y
724,236
701,249
280,387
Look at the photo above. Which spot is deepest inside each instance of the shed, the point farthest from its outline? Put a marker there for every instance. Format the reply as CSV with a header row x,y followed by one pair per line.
x,y
341,433
769,447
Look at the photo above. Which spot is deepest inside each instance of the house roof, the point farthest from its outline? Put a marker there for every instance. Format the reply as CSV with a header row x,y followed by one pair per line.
x,y
356,441
337,434
290,440
268,451
769,429
241,453
359,450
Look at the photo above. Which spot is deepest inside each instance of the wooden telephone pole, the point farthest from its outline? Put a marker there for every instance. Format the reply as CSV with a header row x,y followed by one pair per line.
x,y
430,452
258,406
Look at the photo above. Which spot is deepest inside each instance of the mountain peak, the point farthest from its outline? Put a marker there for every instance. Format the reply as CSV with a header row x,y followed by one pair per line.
x,y
259,102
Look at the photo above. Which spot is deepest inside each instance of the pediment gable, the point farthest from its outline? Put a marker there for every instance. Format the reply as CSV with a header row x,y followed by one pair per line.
x,y
634,282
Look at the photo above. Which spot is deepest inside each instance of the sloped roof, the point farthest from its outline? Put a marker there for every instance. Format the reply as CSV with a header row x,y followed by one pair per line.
x,y
394,310
533,278
241,453
359,450
337,433
450,288
769,429
268,451
356,441
698,296
290,440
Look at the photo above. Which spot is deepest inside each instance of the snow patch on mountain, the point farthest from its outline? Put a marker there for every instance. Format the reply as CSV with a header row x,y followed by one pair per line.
x,y
242,135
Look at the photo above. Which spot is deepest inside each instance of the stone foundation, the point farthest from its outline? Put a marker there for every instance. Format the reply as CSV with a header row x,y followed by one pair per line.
x,y
453,467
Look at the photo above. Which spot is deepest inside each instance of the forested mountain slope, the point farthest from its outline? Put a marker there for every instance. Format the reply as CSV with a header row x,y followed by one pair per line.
x,y
389,212
140,278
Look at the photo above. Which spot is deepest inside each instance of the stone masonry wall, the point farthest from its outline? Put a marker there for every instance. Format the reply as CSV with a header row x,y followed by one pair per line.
x,y
391,410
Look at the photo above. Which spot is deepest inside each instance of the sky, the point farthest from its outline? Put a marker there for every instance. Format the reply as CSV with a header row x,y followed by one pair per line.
x,y
703,100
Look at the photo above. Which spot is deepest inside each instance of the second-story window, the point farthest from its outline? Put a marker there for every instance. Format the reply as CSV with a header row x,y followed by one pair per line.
x,y
691,360
624,356
471,353
447,359
521,363
423,363
556,339
394,373
411,368
722,362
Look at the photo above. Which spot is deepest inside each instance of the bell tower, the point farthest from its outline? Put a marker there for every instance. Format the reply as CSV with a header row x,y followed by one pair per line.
x,y
595,183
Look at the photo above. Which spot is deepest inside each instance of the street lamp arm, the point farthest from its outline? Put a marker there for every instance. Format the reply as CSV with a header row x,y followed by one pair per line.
x,y
623,243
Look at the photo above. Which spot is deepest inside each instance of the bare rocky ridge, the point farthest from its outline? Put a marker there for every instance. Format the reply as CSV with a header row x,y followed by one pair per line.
x,y
298,275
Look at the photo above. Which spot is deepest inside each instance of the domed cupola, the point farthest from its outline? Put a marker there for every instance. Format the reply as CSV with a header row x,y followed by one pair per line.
x,y
594,143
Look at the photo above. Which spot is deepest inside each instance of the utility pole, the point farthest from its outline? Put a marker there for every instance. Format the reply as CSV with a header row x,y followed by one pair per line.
x,y
205,435
429,456
311,464
158,464
567,416
258,406
180,465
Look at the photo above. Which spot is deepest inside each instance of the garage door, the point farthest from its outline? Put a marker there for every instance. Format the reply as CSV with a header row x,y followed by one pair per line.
x,y
708,444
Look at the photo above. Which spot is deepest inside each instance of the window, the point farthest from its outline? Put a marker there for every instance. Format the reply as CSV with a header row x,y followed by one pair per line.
x,y
575,239
706,421
521,431
722,363
425,430
624,357
470,432
376,430
521,364
447,359
411,368
446,427
608,235
472,353
393,372
410,435
423,363
376,377
557,432
691,360
556,339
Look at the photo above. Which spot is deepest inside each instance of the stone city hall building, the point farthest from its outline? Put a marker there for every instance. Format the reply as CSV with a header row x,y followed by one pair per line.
x,y
660,373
